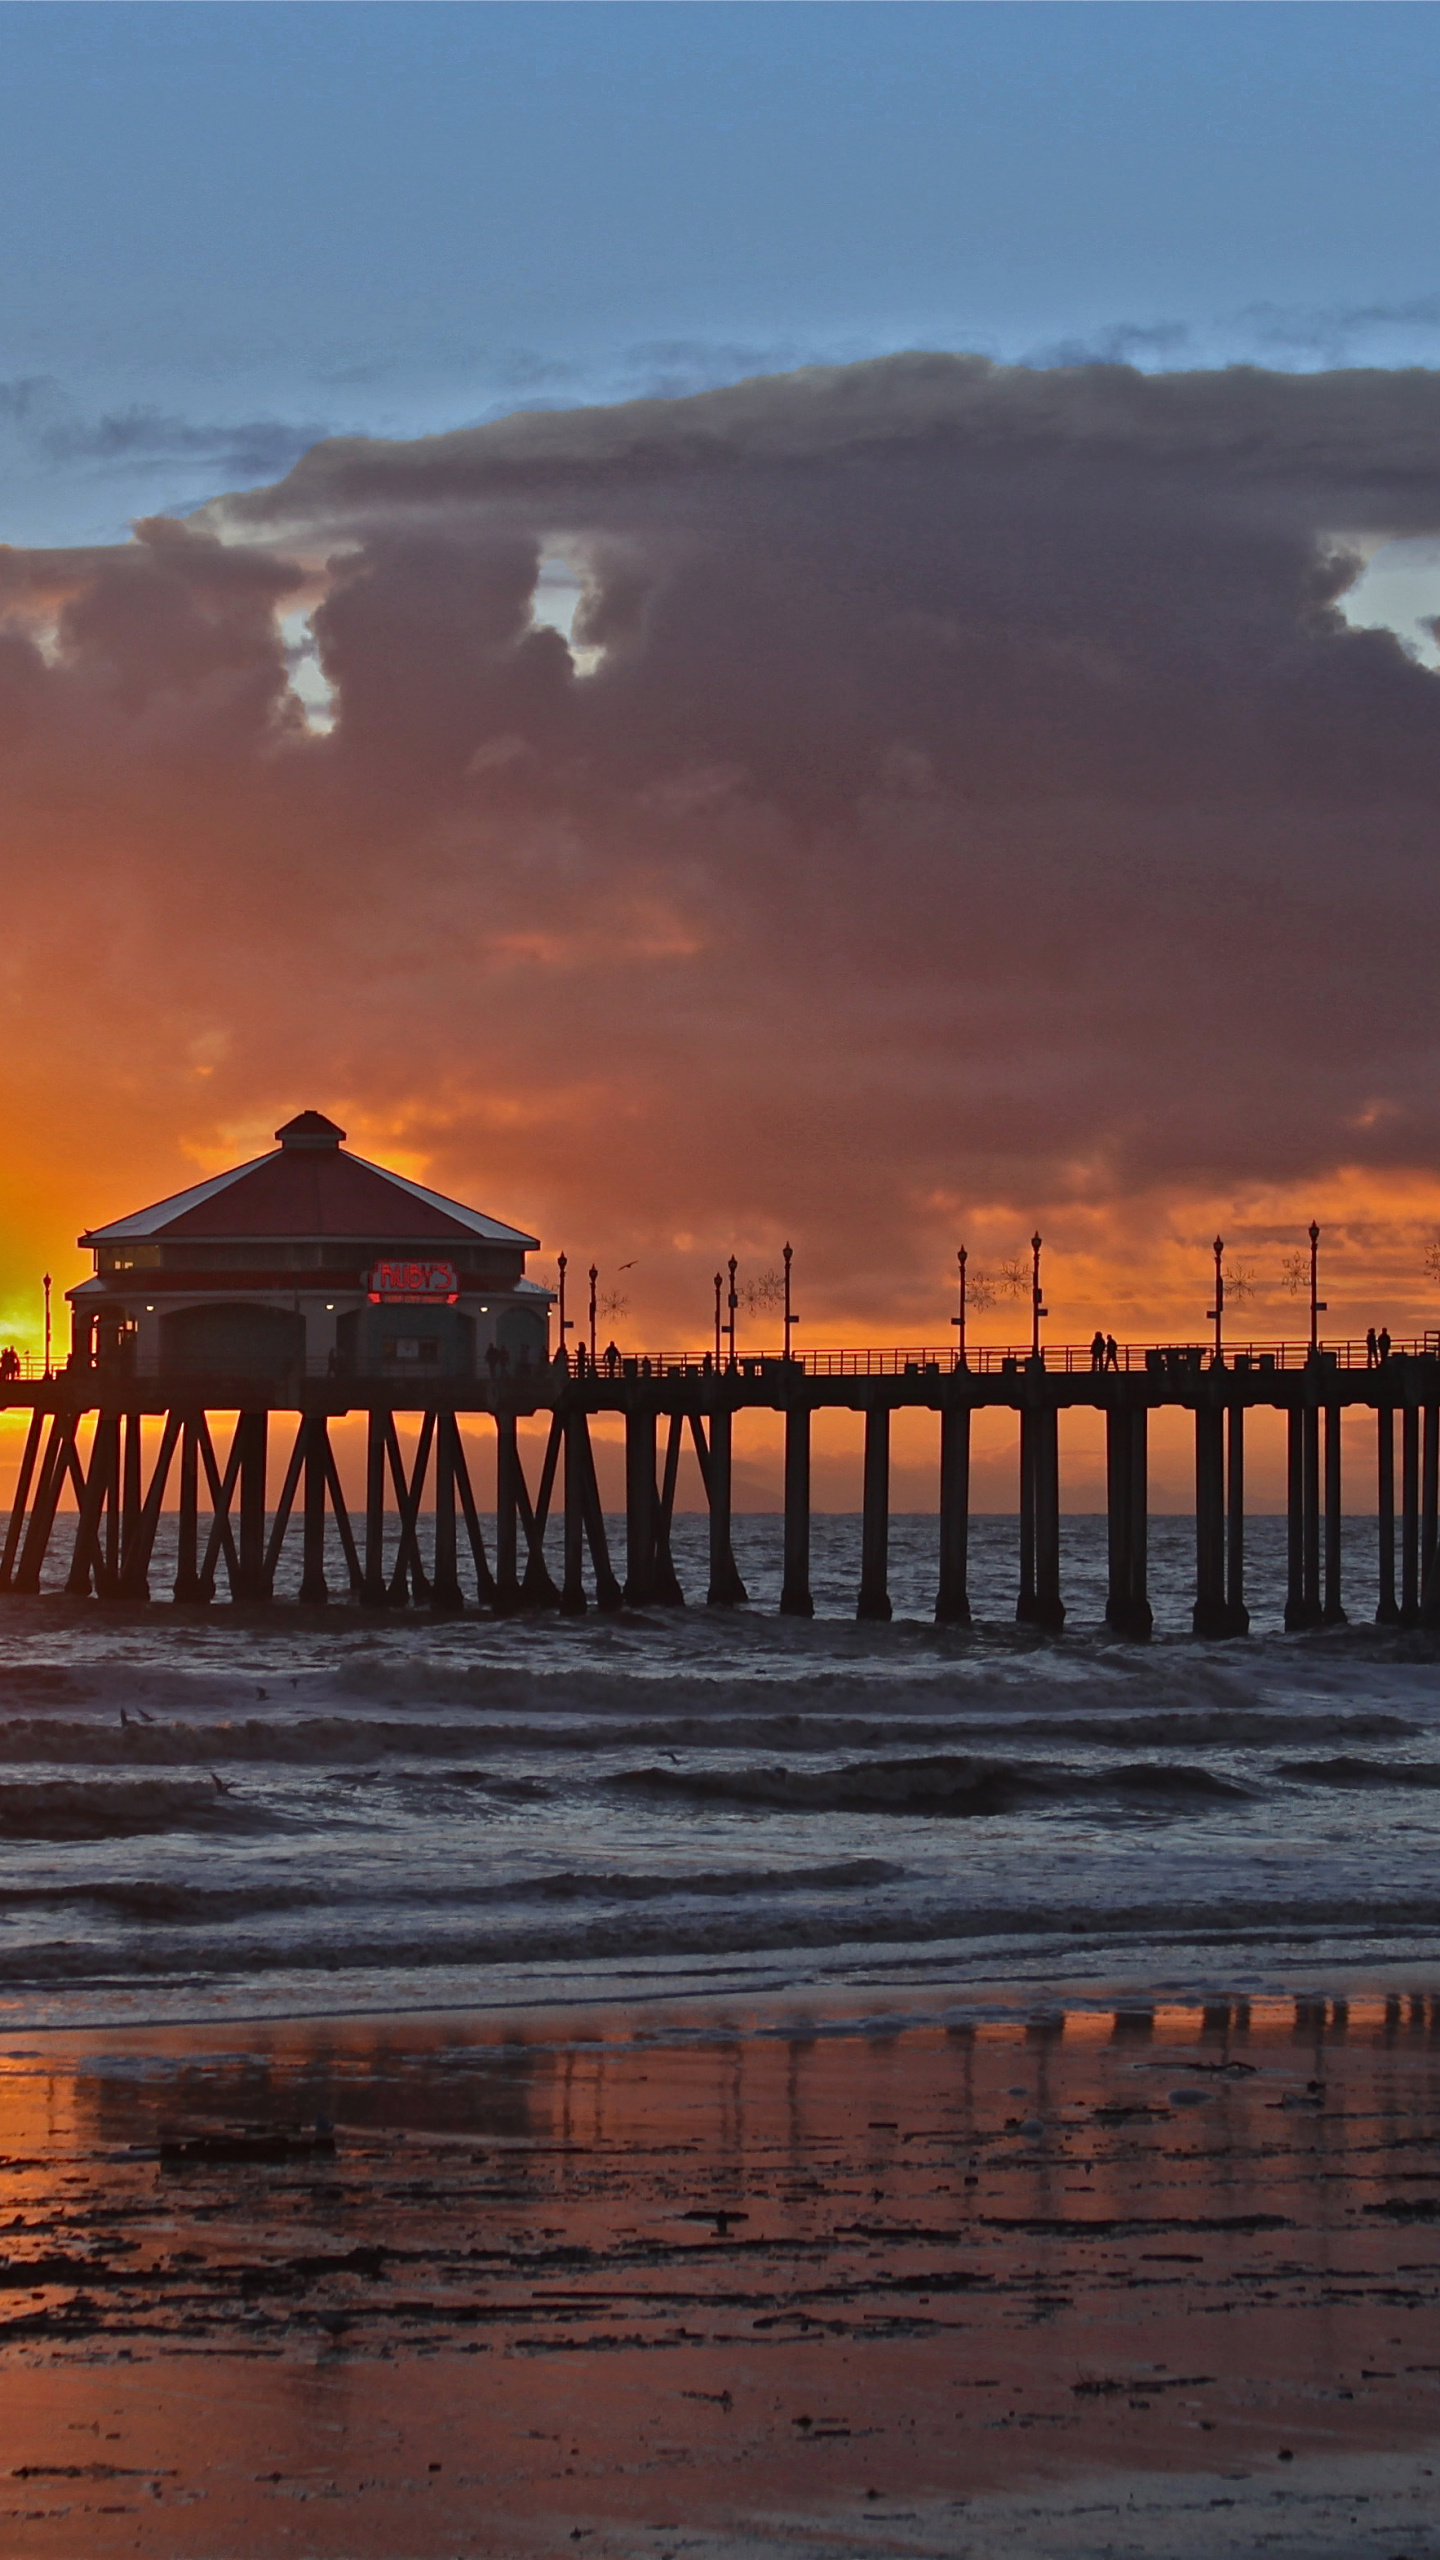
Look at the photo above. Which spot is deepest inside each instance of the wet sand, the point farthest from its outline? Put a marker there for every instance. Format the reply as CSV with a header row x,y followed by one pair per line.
x,y
728,2282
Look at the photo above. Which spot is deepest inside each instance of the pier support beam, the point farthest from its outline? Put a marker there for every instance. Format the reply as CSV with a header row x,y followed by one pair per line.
x,y
874,1599
54,1467
447,1599
795,1595
1429,1543
253,1432
1208,1616
1127,1603
135,1581
573,1601
374,1590
1332,1609
1387,1607
726,1587
668,1594
952,1600
608,1594
639,1507
20,1504
537,1589
1410,1516
1314,1607
86,1556
186,1585
130,1506
507,1515
1039,1603
314,1589
1239,1615
1302,1593
1220,1521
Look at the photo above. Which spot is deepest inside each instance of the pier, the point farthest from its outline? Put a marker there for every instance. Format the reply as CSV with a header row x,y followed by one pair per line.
x,y
249,1466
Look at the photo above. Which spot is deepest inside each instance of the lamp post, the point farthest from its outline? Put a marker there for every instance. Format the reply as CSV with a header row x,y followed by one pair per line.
x,y
561,1266
1216,1315
47,1324
1038,1307
732,1303
719,1285
962,1258
790,1317
594,1276
1318,1306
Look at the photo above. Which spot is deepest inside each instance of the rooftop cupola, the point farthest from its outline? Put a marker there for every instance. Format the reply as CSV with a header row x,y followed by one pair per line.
x,y
310,1129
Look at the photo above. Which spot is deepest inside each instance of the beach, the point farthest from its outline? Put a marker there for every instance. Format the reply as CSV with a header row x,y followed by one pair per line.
x,y
724,2280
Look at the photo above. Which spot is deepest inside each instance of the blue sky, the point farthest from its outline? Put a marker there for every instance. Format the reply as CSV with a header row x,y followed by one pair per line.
x,y
229,229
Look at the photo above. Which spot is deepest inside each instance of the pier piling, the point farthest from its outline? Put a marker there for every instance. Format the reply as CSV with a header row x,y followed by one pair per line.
x,y
446,1597
1237,1614
874,1596
795,1595
726,1588
186,1585
1387,1610
639,1506
952,1600
1332,1612
1211,1613
1302,1597
1409,1515
1039,1603
314,1588
572,1591
1127,1603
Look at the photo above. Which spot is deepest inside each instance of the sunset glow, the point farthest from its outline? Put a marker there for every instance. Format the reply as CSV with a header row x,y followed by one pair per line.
x,y
879,891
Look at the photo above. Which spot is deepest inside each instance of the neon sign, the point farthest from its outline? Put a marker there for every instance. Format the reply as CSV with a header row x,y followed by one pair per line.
x,y
414,1284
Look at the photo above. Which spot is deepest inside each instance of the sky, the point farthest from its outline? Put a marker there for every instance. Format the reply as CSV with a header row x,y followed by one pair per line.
x,y
727,624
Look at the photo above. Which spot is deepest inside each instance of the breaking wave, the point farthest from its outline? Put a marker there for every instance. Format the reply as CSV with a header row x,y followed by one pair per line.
x,y
938,1786
1346,1771
98,1809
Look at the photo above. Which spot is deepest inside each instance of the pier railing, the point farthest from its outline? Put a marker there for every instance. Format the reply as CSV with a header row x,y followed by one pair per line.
x,y
1166,1359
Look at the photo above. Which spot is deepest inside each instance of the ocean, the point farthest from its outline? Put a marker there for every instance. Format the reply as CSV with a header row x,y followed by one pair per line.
x,y
248,1814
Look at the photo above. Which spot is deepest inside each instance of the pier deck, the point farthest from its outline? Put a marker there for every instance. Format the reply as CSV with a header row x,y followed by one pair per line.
x,y
85,1445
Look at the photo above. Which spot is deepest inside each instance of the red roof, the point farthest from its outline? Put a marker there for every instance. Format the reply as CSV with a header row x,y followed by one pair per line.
x,y
310,1187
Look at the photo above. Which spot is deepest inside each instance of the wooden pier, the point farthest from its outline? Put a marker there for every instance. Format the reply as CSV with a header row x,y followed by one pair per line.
x,y
240,1499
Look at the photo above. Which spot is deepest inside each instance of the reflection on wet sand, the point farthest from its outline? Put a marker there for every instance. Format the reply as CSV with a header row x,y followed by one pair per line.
x,y
613,2276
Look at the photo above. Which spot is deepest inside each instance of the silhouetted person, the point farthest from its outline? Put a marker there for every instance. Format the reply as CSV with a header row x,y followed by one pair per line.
x,y
492,1358
612,1358
1112,1352
1372,1349
1382,1343
1097,1351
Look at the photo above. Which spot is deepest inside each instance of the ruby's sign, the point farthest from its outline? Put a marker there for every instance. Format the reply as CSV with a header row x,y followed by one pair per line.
x,y
414,1284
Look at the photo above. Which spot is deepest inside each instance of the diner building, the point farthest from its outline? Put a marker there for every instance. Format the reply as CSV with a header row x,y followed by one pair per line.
x,y
309,1262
